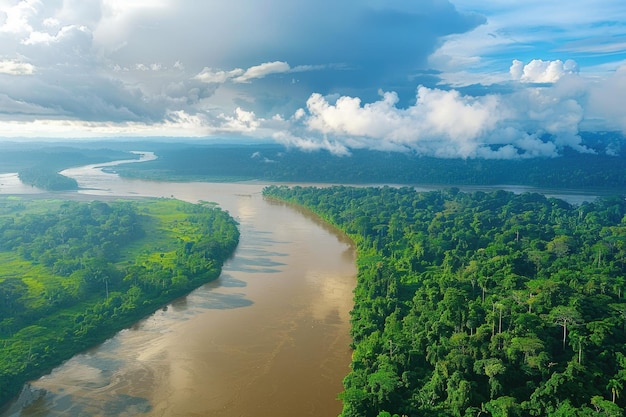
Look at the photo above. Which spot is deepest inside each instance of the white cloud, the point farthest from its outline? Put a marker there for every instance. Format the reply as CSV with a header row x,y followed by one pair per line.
x,y
263,70
51,22
238,75
210,76
443,123
117,65
347,117
155,66
178,124
175,124
17,16
46,38
14,67
539,71
446,124
310,144
299,114
243,121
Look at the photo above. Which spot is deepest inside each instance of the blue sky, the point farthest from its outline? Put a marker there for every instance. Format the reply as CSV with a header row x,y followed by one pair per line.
x,y
464,78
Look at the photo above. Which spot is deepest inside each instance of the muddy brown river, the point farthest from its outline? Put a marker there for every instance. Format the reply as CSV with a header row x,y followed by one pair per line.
x,y
270,337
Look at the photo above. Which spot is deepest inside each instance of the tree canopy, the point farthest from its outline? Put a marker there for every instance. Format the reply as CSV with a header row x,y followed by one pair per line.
x,y
362,166
490,304
74,273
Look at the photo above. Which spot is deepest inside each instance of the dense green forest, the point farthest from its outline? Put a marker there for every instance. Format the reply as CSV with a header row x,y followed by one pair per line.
x,y
276,163
600,168
74,273
481,304
47,179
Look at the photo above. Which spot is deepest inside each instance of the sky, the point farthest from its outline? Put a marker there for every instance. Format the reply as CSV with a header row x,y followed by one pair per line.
x,y
454,79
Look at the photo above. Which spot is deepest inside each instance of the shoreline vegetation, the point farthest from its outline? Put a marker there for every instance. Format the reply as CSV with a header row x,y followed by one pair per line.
x,y
479,303
75,273
483,303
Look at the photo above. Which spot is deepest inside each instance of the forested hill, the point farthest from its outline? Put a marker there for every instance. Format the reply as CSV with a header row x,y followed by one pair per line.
x,y
481,304
73,274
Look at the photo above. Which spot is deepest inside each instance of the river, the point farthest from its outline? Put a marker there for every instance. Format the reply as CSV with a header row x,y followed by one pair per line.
x,y
270,337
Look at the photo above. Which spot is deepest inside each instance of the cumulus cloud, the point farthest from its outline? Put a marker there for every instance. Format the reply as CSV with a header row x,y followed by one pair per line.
x,y
441,123
17,16
241,121
110,60
444,124
539,71
110,66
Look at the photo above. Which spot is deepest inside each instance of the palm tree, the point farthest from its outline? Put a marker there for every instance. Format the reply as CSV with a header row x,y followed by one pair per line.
x,y
615,386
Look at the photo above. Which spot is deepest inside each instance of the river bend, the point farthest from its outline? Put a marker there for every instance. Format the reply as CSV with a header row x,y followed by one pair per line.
x,y
269,337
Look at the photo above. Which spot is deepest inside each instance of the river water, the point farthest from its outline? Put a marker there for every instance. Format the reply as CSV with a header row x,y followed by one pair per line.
x,y
270,337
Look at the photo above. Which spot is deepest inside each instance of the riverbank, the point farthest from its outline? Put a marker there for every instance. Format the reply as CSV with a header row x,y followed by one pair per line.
x,y
443,299
270,336
64,305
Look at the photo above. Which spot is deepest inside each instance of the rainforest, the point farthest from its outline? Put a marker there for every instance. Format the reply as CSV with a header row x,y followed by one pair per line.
x,y
483,303
74,273
480,304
